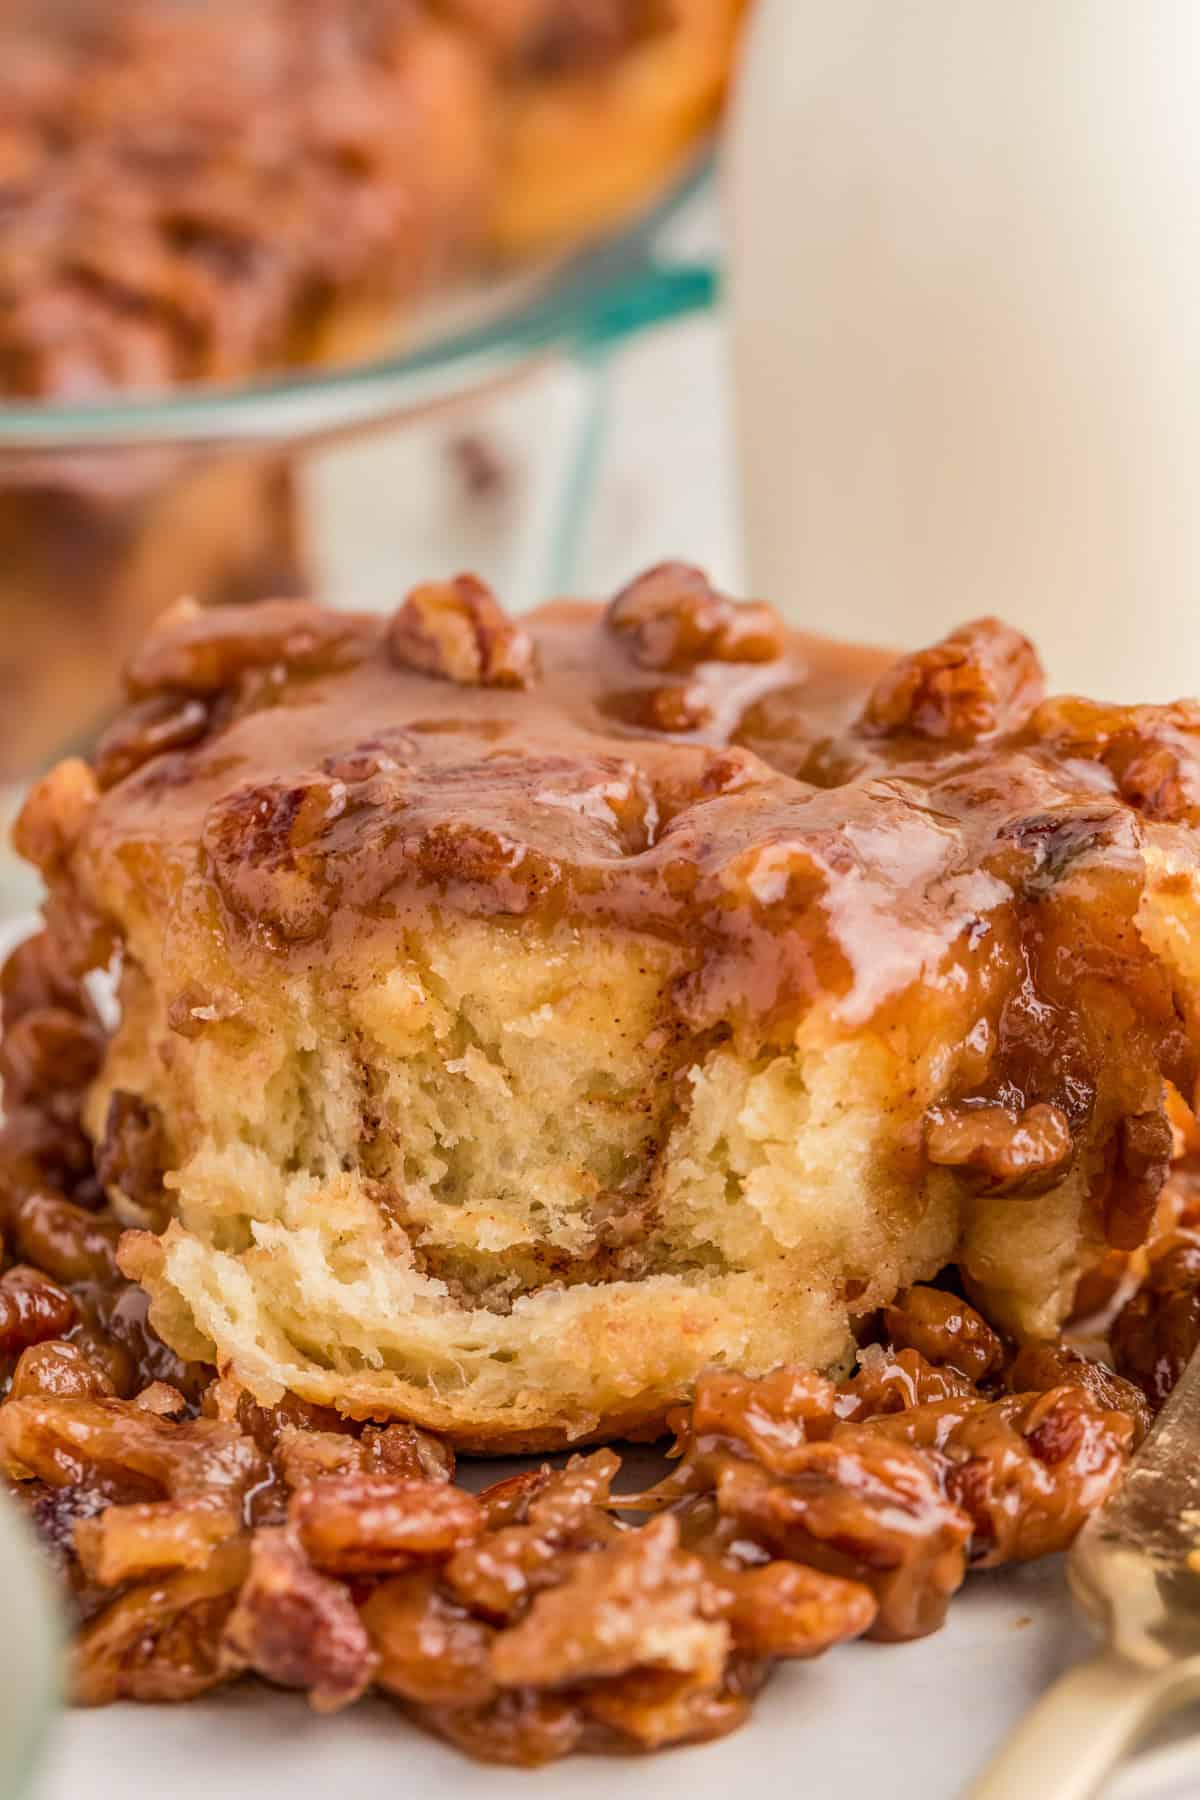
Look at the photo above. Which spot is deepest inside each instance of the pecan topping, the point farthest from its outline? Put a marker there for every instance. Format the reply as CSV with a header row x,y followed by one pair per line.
x,y
789,1609
162,1640
198,651
1030,1468
458,631
1001,1149
66,1241
982,679
304,1452
497,1574
674,707
33,1309
945,1330
1143,1156
149,728
1155,1334
47,1053
430,1648
638,1604
373,1524
892,1381
264,842
132,1155
1039,1367
672,618
865,1508
60,1369
1151,752
297,1627
55,812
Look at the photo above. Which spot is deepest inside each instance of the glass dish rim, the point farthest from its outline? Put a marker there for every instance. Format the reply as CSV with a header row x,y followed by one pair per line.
x,y
582,303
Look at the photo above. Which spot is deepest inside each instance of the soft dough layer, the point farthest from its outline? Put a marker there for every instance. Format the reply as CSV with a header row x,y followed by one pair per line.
x,y
487,1187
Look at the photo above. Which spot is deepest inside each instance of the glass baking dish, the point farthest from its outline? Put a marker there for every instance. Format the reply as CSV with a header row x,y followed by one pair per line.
x,y
109,511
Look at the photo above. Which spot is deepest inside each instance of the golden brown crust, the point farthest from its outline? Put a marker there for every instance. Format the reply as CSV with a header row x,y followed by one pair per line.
x,y
588,139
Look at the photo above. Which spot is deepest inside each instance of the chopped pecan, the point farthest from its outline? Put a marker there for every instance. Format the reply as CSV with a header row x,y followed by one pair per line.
x,y
1028,1469
162,1640
147,729
861,1506
200,651
675,706
67,1241
672,617
114,1364
132,1155
520,1728
61,1370
891,1381
771,1418
48,1051
161,1399
458,631
297,1627
788,1609
65,1441
945,1330
931,1423
1002,1149
640,1603
403,1449
1154,1335
496,1575
226,1400
1039,1367
264,845
33,1309
656,1707
981,679
305,1454
1143,1156
37,1151
1151,752
56,810
429,1647
1161,781
126,1543
33,977
377,1524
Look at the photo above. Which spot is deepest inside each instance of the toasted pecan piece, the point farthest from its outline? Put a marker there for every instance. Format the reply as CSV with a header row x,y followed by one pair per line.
x,y
458,631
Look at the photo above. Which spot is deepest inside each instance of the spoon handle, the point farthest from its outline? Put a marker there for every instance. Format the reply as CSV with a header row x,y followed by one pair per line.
x,y
1079,1731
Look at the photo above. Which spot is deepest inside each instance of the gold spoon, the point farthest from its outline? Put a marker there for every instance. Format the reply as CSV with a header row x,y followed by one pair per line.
x,y
1135,1574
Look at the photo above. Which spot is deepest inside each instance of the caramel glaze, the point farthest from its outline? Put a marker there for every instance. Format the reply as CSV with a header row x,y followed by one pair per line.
x,y
806,822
